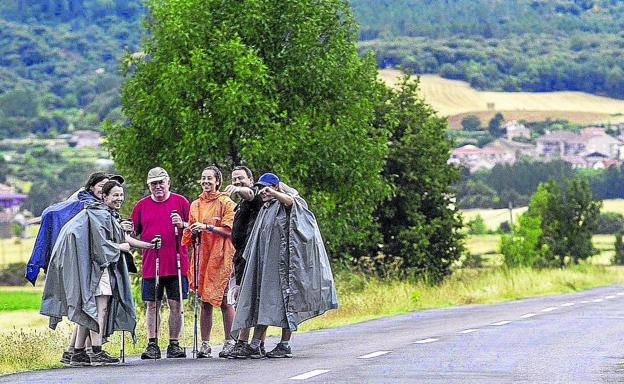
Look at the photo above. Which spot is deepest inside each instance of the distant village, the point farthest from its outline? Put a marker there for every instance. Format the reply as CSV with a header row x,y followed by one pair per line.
x,y
591,148
10,200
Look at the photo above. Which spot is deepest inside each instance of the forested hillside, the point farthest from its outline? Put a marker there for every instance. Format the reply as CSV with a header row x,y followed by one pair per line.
x,y
510,45
58,62
58,58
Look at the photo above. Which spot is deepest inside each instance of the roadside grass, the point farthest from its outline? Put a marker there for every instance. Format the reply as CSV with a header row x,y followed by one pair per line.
x,y
26,343
17,298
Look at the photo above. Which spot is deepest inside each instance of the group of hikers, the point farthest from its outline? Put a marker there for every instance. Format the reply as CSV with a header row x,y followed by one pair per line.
x,y
261,261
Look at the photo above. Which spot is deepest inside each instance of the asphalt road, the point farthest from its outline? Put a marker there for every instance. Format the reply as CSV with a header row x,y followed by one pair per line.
x,y
573,338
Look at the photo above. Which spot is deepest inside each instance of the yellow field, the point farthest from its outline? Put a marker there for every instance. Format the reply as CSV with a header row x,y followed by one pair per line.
x,y
453,97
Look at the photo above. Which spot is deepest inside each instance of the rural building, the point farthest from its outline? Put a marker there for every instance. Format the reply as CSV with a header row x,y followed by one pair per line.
x,y
515,129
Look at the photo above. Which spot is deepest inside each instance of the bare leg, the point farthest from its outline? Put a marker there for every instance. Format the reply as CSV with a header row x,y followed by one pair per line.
x,y
150,315
81,336
286,334
102,312
175,319
72,340
227,311
205,321
260,332
243,335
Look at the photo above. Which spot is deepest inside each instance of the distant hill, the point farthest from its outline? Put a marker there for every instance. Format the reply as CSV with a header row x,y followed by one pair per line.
x,y
457,99
58,58
58,62
506,45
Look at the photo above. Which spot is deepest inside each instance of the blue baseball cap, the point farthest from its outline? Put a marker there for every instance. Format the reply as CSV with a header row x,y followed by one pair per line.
x,y
268,179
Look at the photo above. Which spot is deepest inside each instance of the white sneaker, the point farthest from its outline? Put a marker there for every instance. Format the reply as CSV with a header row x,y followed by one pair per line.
x,y
228,347
204,350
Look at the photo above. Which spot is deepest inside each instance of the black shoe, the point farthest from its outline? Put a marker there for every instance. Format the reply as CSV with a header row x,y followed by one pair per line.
x,y
175,352
151,352
247,352
279,351
262,350
236,350
66,358
80,359
103,358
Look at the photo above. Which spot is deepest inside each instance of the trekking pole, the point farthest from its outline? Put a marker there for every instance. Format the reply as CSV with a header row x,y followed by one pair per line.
x,y
195,257
177,240
156,293
123,346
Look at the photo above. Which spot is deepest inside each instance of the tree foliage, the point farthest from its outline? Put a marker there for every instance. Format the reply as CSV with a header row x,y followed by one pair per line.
x,y
278,86
557,229
420,223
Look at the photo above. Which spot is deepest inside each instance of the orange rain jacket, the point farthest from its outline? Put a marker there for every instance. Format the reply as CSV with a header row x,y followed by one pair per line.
x,y
216,252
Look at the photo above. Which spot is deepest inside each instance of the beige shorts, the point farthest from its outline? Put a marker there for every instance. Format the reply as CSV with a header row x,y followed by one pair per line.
x,y
104,287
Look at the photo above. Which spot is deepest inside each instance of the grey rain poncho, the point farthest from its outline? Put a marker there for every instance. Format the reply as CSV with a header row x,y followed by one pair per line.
x,y
288,277
86,245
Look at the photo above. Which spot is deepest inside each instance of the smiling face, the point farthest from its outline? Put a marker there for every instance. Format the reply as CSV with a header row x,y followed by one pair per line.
x,y
96,189
115,198
240,179
159,189
209,181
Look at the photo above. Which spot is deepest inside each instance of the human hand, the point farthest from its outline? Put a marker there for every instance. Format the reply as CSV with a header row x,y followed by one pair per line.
x,y
176,219
156,242
197,227
127,226
125,247
231,189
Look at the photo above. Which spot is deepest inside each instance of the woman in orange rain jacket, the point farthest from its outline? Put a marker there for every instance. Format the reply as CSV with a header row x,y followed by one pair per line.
x,y
211,217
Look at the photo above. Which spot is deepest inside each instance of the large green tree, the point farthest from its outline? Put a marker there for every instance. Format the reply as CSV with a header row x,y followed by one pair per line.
x,y
278,86
420,223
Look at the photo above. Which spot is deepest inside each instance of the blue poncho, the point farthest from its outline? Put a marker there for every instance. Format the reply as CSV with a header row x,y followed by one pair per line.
x,y
53,219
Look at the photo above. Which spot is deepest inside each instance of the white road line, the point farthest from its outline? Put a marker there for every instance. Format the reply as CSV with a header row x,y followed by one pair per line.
x,y
549,309
526,316
610,297
374,354
568,304
620,293
426,341
307,375
584,302
504,322
468,330
597,300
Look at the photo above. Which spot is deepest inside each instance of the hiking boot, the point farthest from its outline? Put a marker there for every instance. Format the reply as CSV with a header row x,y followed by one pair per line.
x,y
80,359
175,352
279,351
237,348
103,358
228,347
66,358
247,352
204,350
151,352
